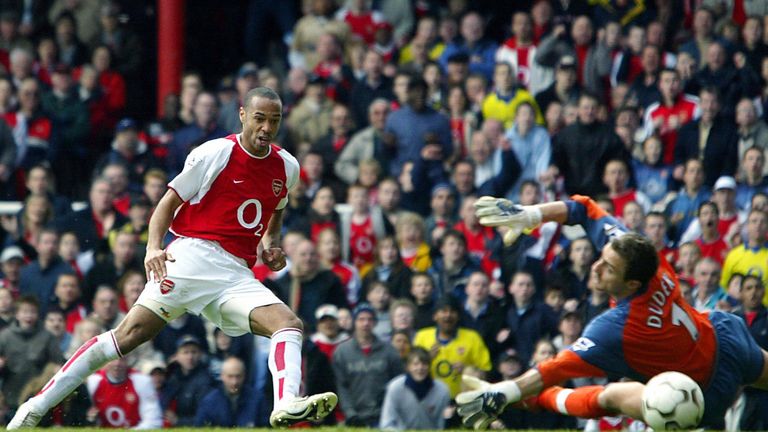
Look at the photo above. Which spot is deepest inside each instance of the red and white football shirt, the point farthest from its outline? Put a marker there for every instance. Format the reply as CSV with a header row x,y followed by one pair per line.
x,y
230,195
132,403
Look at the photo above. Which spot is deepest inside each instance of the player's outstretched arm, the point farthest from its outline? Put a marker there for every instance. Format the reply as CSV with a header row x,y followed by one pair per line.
x,y
154,261
501,212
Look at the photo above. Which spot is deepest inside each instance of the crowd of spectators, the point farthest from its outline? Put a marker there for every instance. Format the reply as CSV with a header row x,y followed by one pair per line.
x,y
401,113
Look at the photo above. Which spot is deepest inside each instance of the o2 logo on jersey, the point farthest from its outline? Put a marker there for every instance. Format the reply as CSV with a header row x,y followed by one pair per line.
x,y
256,222
582,344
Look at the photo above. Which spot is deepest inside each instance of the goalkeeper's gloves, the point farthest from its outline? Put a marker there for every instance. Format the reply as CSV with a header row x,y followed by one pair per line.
x,y
480,405
495,212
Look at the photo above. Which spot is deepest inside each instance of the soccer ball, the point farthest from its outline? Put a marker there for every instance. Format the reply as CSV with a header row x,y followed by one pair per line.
x,y
672,401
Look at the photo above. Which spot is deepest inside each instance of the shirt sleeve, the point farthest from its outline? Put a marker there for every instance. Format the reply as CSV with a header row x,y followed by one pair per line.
x,y
600,226
201,169
292,170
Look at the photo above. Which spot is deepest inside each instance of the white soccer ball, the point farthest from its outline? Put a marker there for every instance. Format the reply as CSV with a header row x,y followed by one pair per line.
x,y
672,401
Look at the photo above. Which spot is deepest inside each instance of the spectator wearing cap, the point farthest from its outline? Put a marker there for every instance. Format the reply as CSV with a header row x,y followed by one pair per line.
x,y
308,30
362,366
528,319
186,324
412,125
11,263
204,128
231,404
502,103
38,278
751,257
247,77
129,149
564,89
310,119
187,382
728,220
452,347
569,330
328,335
473,43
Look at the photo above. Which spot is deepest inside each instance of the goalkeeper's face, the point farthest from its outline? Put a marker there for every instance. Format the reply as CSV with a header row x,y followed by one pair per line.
x,y
608,273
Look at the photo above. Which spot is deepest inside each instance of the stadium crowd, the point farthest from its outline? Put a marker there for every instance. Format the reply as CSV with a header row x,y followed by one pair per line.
x,y
401,113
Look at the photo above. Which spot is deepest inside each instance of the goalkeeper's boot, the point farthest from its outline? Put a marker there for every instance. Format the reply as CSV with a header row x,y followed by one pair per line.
x,y
26,416
308,408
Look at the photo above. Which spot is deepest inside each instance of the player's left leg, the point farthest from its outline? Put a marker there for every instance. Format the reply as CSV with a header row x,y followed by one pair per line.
x,y
591,401
623,397
286,331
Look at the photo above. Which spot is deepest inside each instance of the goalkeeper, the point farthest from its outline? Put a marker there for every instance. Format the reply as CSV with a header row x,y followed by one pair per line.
x,y
651,330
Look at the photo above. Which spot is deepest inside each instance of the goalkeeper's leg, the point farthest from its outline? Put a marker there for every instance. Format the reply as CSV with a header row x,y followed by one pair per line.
x,y
591,401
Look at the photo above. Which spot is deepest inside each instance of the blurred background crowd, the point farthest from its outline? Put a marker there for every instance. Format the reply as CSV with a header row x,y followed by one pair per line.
x,y
401,113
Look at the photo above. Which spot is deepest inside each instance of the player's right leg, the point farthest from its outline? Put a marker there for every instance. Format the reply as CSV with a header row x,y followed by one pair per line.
x,y
591,401
138,326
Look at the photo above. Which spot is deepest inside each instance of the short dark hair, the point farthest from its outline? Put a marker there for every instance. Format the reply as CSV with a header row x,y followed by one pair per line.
x,y
640,257
264,92
708,204
419,353
29,300
754,276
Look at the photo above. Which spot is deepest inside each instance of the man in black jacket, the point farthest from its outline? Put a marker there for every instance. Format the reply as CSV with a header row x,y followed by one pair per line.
x,y
712,138
581,150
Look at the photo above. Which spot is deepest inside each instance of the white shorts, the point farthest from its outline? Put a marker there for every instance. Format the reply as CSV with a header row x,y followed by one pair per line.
x,y
202,280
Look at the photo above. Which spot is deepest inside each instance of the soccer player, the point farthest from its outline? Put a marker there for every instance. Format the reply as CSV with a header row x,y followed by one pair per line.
x,y
229,198
651,330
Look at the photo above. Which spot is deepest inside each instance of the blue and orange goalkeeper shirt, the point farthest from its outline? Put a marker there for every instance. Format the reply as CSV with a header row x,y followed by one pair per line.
x,y
652,331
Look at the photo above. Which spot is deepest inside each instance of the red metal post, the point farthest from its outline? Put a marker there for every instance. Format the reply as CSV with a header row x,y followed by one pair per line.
x,y
170,48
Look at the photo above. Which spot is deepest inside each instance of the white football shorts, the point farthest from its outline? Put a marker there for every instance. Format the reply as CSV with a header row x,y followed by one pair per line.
x,y
202,280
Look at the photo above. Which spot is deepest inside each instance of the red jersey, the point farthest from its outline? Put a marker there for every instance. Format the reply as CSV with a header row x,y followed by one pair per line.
x,y
132,403
477,245
350,279
685,109
652,331
230,195
362,242
717,250
363,25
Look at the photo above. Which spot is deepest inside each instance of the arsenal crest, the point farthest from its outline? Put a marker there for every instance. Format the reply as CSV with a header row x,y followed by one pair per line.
x,y
277,186
166,286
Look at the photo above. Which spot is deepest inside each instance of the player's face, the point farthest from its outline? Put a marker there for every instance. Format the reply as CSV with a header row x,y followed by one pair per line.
x,y
261,122
608,273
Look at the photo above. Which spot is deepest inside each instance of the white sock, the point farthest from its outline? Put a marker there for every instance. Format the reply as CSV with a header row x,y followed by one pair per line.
x,y
285,364
90,357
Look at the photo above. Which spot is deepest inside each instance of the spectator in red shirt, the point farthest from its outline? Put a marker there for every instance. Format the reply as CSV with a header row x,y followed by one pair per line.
x,y
711,241
67,299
